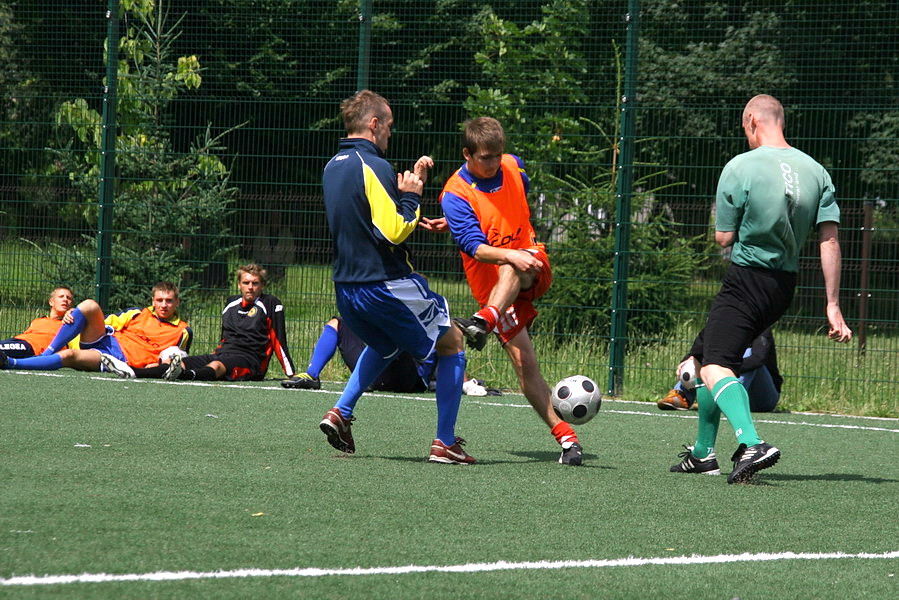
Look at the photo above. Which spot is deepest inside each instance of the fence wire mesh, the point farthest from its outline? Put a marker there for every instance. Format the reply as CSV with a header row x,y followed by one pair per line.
x,y
227,110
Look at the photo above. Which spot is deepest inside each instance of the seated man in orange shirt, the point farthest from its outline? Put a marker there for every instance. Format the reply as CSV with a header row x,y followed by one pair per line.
x,y
135,336
42,330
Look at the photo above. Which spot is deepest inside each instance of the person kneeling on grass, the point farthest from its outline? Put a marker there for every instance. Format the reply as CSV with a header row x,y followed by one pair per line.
x,y
403,375
252,330
133,338
758,374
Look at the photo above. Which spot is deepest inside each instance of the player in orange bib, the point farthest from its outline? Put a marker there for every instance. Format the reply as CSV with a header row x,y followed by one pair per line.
x,y
485,208
42,330
135,336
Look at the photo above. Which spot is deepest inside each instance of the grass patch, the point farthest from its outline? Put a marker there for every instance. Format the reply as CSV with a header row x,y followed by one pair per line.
x,y
103,475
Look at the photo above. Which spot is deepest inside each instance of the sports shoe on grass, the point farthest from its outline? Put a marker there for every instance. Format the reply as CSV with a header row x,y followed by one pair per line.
x,y
176,367
674,400
474,330
691,464
748,461
302,381
572,455
450,455
338,431
113,365
4,362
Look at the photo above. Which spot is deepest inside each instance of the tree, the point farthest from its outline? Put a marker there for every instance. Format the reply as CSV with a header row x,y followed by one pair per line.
x,y
170,207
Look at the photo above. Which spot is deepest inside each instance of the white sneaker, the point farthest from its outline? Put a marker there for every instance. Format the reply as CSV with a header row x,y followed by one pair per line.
x,y
176,367
113,365
473,388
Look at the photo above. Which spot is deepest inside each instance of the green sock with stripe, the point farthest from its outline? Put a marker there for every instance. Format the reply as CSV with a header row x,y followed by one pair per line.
x,y
709,419
733,400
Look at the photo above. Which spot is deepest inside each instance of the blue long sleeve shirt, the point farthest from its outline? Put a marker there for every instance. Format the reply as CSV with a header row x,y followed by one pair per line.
x,y
369,217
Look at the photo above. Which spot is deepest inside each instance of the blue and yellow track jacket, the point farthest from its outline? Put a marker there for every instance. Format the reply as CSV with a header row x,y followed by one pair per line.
x,y
368,215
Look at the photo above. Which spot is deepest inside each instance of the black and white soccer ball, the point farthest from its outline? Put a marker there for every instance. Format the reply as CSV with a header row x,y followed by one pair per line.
x,y
688,373
167,354
576,399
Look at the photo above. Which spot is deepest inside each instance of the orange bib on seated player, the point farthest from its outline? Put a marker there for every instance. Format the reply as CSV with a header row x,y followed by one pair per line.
x,y
505,219
40,333
145,336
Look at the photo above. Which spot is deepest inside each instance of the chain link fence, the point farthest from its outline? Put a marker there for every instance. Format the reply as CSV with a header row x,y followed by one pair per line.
x,y
199,146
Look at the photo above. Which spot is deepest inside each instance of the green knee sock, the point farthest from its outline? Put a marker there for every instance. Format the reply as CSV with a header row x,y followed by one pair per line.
x,y
709,419
732,399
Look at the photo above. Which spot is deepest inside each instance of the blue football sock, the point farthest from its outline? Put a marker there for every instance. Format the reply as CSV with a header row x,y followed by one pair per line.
x,y
323,351
368,367
36,363
66,333
450,374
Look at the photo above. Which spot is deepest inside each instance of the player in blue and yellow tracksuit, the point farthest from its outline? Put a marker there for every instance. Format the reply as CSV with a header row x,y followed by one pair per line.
x,y
371,211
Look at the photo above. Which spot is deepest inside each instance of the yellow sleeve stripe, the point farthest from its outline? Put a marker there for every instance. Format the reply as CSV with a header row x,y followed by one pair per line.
x,y
384,215
117,321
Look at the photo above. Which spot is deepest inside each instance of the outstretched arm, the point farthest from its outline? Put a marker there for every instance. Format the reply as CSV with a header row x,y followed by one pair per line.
x,y
831,262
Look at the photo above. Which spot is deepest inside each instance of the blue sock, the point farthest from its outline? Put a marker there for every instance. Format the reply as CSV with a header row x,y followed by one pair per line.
x,y
323,351
368,367
450,373
36,363
66,333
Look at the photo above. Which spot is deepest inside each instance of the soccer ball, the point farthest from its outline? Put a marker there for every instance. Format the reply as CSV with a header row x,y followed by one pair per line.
x,y
576,399
687,372
167,354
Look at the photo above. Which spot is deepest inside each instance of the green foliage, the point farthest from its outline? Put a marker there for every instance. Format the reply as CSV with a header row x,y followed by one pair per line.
x,y
533,75
170,207
661,263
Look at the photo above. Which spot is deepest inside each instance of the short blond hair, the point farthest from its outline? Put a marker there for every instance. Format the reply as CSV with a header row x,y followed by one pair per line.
x,y
253,269
359,108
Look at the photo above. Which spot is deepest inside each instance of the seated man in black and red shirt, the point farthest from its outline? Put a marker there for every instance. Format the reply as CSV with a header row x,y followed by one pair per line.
x,y
252,331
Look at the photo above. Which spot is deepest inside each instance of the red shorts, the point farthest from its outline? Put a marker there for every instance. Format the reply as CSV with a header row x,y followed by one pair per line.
x,y
522,312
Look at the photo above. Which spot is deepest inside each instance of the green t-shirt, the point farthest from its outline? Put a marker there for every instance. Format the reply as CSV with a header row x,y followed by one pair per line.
x,y
772,197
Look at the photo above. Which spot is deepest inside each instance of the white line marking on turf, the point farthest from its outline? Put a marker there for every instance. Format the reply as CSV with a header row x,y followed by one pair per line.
x,y
468,400
466,568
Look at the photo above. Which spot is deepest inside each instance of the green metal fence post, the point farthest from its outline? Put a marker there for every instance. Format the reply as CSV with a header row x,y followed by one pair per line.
x,y
364,44
107,158
623,190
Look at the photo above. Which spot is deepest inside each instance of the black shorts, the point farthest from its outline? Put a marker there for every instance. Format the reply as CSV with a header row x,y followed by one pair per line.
x,y
402,375
238,366
16,348
750,301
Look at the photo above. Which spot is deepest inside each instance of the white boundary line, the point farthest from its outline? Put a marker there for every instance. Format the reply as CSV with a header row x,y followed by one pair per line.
x,y
472,400
30,580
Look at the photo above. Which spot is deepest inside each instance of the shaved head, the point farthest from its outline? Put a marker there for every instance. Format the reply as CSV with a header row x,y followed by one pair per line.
x,y
766,109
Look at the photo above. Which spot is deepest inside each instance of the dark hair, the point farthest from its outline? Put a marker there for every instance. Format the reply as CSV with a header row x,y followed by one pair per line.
x,y
483,132
165,286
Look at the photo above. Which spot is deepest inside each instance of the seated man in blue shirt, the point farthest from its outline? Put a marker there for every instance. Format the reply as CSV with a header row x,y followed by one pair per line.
x,y
759,375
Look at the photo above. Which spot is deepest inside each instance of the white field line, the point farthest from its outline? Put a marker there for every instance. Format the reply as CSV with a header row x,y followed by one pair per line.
x,y
29,580
471,400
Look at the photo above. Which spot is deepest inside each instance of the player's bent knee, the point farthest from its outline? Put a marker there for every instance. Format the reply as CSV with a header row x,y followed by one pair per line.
x,y
451,342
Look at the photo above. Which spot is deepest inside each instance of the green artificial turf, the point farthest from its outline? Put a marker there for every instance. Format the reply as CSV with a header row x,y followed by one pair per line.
x,y
101,475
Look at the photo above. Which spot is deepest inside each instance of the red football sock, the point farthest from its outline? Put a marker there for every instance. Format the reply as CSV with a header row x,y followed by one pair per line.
x,y
490,314
564,433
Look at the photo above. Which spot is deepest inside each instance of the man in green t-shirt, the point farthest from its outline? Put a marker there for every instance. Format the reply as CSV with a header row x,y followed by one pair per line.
x,y
767,202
